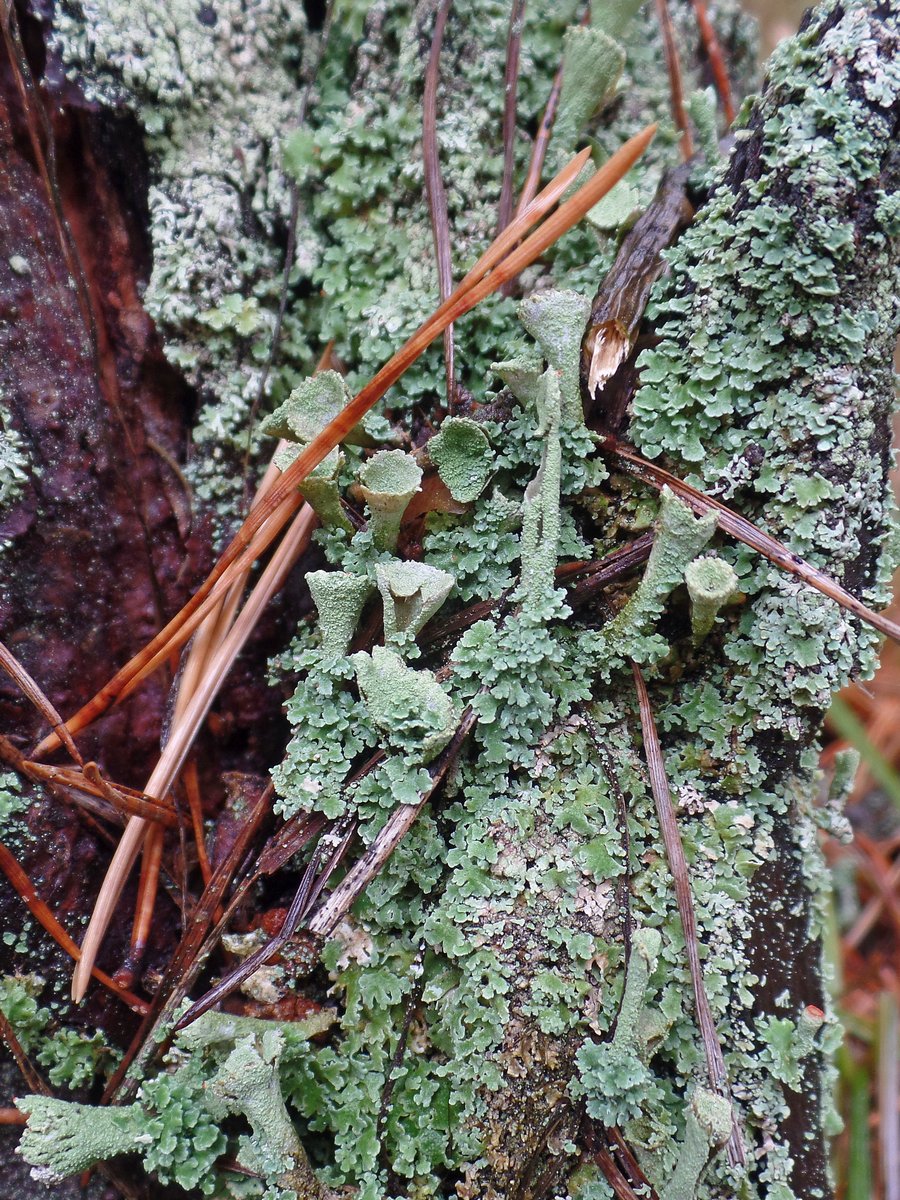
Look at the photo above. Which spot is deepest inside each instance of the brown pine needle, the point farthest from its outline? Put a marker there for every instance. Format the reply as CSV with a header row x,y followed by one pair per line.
x,y
134,804
146,898
40,910
208,639
434,189
188,960
620,1168
717,63
510,90
665,812
676,88
312,882
742,529
191,782
182,736
17,673
90,788
264,523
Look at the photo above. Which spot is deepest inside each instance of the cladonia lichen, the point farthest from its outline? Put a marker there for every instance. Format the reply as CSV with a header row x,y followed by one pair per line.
x,y
388,481
462,454
679,537
222,1065
711,583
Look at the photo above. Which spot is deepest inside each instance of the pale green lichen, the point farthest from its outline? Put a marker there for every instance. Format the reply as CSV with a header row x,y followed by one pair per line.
x,y
412,710
553,318
756,349
592,64
310,407
322,492
787,1043
320,488
221,1065
63,1138
614,1077
331,726
707,1127
248,1083
701,108
70,1057
215,90
679,537
388,482
462,454
411,592
614,17
480,552
540,510
711,583
300,418
339,598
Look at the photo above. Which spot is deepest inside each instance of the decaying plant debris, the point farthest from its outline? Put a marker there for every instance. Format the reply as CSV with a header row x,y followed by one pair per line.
x,y
553,602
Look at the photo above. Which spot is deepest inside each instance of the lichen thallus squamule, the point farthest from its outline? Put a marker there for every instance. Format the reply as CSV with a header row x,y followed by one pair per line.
x,y
213,607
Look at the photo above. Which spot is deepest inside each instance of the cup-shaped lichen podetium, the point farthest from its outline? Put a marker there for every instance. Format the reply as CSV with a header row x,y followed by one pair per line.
x,y
388,481
339,598
410,707
462,454
320,489
412,593
310,407
707,1126
711,583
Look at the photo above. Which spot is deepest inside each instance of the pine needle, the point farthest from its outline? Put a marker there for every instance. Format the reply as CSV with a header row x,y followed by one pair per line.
x,y
40,910
17,673
665,812
182,736
510,92
434,189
